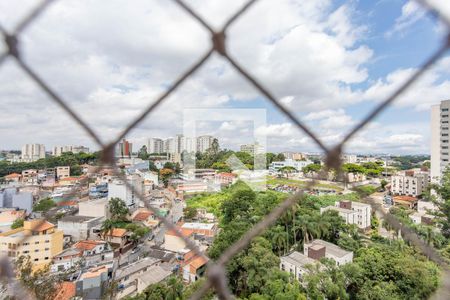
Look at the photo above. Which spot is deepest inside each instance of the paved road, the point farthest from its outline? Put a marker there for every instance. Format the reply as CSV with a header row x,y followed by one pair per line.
x,y
175,214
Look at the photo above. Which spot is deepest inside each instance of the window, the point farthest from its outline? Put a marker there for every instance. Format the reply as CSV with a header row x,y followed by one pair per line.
x,y
445,160
444,122
47,241
445,141
444,109
444,134
36,242
444,147
445,116
444,128
36,250
36,259
46,249
46,258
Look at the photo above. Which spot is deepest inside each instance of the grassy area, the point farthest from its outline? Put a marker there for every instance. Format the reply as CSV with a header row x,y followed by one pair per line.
x,y
301,183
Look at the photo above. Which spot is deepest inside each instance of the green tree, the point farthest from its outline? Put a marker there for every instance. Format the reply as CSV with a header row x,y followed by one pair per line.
x,y
17,223
118,209
190,213
443,192
143,154
238,205
107,227
44,205
312,168
41,283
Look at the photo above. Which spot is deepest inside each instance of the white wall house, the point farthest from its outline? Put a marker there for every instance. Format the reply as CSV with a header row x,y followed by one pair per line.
x,y
295,263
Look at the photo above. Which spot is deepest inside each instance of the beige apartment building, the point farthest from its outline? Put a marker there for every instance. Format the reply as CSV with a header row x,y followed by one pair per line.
x,y
38,239
62,172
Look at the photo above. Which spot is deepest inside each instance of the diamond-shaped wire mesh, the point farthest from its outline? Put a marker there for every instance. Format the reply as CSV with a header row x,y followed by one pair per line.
x,y
216,274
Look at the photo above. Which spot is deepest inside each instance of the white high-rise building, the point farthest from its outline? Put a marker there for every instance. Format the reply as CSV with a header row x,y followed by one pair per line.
x,y
169,145
155,145
252,149
204,142
189,144
32,152
439,139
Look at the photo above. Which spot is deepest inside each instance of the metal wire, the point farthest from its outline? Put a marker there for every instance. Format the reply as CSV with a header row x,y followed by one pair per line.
x,y
216,274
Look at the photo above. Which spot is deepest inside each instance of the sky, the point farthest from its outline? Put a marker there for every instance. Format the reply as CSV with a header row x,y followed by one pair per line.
x,y
329,62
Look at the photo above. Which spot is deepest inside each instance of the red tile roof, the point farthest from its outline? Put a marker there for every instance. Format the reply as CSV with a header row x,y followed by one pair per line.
x,y
86,245
66,291
13,175
142,216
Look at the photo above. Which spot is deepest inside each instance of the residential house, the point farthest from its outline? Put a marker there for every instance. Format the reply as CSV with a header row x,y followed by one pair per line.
x,y
93,283
14,177
118,237
193,266
146,217
79,227
127,276
62,172
319,248
405,201
296,263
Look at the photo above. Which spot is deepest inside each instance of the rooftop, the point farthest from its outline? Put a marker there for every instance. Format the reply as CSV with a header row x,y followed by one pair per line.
x,y
339,209
330,248
87,244
94,272
198,226
117,232
76,219
155,274
142,216
135,267
298,259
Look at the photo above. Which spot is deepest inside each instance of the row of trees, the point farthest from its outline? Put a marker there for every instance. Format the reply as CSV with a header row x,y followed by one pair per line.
x,y
381,269
65,159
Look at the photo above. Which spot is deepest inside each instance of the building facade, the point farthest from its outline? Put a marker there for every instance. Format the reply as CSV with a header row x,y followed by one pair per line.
x,y
58,150
32,152
409,183
252,149
155,145
124,149
297,164
353,213
37,238
439,139
204,142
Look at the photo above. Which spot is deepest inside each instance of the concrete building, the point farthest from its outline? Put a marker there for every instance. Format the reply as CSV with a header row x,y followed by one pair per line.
x,y
93,283
294,155
297,164
124,149
204,142
349,158
155,145
118,189
252,149
62,172
409,183
169,145
353,213
32,152
319,248
295,263
37,238
126,276
14,198
94,208
78,227
58,150
87,253
193,266
439,139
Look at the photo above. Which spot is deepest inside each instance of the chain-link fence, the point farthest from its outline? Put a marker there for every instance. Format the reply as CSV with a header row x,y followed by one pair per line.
x,y
216,271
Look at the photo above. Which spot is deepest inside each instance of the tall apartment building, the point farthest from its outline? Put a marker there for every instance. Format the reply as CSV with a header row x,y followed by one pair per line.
x,y
37,238
439,139
32,152
169,145
124,149
409,183
204,142
252,149
189,144
155,145
58,150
